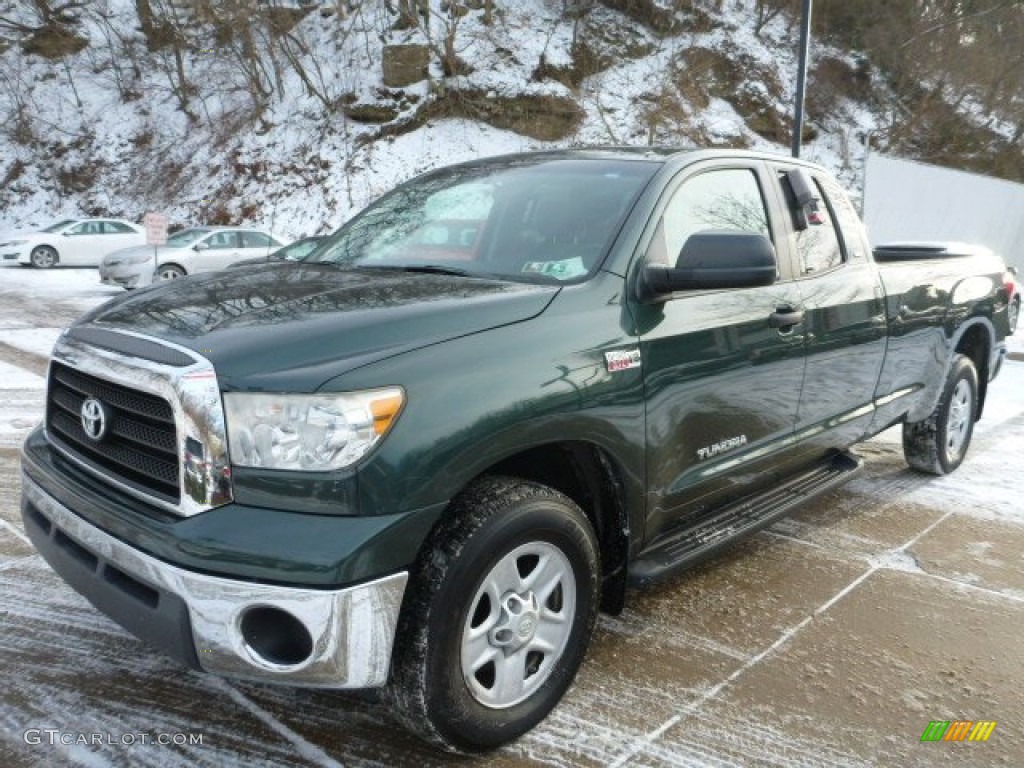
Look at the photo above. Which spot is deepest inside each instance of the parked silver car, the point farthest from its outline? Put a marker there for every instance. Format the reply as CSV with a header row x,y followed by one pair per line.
x,y
200,249
296,251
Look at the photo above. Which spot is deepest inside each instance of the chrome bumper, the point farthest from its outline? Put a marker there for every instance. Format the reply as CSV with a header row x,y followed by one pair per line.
x,y
351,630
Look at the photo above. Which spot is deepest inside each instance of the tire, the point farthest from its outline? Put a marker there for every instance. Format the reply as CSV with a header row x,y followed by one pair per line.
x,y
43,257
939,444
1014,315
168,272
472,618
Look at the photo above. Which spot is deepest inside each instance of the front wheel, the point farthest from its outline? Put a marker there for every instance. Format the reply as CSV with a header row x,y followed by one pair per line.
x,y
937,445
169,272
43,257
498,616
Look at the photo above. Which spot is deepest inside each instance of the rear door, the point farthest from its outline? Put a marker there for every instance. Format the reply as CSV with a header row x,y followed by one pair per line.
x,y
844,320
722,386
256,244
119,235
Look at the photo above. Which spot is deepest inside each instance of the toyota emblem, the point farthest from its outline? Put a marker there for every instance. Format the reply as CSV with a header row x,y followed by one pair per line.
x,y
94,419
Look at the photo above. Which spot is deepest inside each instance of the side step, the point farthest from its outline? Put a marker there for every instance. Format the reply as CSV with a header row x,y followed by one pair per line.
x,y
717,529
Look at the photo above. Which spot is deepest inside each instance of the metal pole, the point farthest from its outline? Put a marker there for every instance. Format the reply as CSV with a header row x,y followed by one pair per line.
x,y
864,175
801,77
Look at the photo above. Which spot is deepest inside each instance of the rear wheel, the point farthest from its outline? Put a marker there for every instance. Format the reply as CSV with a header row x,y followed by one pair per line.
x,y
43,257
498,616
938,444
169,272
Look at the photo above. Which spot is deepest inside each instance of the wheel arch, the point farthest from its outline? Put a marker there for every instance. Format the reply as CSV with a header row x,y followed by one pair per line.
x,y
174,264
593,479
975,342
975,339
51,246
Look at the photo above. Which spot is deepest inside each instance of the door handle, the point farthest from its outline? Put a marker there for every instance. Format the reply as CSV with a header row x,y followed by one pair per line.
x,y
785,318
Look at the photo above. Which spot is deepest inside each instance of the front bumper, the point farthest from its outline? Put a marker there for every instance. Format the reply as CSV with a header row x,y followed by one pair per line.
x,y
123,274
121,282
220,625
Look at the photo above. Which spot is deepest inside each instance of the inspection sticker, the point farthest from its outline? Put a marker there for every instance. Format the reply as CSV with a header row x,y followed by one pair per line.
x,y
622,359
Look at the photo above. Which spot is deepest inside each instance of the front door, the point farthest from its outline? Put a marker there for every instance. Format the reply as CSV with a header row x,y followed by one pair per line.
x,y
85,244
223,248
722,385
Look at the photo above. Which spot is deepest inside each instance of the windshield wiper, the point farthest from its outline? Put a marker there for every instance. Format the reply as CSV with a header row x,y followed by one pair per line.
x,y
436,269
430,269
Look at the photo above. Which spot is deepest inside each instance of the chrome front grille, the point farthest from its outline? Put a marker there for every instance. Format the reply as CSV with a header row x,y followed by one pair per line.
x,y
140,448
163,438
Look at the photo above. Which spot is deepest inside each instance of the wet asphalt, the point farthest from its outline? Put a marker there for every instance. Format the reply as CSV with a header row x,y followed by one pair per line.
x,y
831,639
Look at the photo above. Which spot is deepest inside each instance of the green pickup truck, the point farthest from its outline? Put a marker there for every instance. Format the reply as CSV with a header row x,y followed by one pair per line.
x,y
424,457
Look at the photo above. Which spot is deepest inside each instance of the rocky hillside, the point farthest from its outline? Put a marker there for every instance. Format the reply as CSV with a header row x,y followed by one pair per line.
x,y
294,115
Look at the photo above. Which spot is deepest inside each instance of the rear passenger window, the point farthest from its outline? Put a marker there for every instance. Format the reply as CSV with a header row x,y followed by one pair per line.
x,y
818,244
845,217
255,240
728,199
117,228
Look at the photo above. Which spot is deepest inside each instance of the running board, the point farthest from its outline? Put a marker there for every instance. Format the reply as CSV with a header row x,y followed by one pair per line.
x,y
717,529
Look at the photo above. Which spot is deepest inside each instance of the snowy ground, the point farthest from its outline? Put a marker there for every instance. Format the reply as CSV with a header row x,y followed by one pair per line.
x,y
1015,344
832,639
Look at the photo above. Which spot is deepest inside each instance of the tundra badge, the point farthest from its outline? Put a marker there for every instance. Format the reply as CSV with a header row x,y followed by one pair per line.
x,y
722,447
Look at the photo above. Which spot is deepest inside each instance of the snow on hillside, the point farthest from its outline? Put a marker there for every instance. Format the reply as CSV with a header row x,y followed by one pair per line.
x,y
301,168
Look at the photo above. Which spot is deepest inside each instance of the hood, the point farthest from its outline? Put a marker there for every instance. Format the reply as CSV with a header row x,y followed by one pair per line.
x,y
288,326
19,234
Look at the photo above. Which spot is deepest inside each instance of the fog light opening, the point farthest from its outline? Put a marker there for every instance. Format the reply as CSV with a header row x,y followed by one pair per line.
x,y
275,636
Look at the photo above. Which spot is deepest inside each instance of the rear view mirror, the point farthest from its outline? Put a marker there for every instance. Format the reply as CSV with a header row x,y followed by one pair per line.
x,y
711,260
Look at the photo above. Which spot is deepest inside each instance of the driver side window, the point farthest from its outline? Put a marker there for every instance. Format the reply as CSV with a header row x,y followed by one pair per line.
x,y
726,199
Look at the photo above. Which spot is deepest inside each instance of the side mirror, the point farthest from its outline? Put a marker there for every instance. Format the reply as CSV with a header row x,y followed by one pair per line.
x,y
713,259
201,247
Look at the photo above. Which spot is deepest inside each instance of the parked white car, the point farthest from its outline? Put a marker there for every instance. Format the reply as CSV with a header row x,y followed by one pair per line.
x,y
70,242
200,249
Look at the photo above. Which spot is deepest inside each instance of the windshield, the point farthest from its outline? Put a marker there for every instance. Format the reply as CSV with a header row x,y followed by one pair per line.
x,y
297,250
185,237
529,218
58,226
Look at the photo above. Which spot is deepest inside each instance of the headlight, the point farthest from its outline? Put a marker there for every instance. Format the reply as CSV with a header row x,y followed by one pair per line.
x,y
309,432
13,242
138,258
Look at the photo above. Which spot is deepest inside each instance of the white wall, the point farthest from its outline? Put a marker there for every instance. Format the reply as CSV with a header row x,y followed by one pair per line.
x,y
904,200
